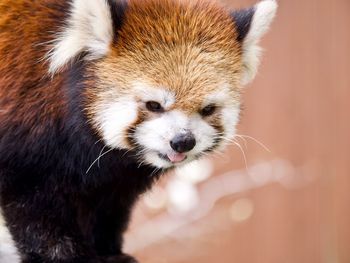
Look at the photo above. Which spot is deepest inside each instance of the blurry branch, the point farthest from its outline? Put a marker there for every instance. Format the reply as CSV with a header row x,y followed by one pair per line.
x,y
210,192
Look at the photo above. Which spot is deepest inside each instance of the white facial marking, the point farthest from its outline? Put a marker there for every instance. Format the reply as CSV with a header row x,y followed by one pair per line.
x,y
230,110
155,133
219,97
265,12
230,118
203,132
147,93
89,28
114,121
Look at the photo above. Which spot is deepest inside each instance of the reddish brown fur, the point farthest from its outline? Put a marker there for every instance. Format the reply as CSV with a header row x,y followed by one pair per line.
x,y
188,47
25,27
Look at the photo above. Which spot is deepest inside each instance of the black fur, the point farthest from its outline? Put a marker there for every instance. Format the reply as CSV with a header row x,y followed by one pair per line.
x,y
118,9
49,200
55,210
243,19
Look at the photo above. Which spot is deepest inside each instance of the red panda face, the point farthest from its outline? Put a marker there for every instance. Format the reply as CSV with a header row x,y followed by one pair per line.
x,y
173,98
168,86
164,127
163,134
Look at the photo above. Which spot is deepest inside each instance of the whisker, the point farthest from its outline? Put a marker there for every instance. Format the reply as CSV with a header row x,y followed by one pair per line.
x,y
98,141
99,156
98,159
154,171
255,140
243,139
243,153
129,150
217,152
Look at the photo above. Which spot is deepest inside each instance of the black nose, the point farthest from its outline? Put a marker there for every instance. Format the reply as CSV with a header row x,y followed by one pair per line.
x,y
183,142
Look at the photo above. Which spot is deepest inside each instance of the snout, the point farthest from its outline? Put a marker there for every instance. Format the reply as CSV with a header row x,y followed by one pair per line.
x,y
183,143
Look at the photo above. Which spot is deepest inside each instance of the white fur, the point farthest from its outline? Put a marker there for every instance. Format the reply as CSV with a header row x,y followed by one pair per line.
x,y
89,28
8,250
147,93
230,118
114,120
230,110
155,133
265,12
219,97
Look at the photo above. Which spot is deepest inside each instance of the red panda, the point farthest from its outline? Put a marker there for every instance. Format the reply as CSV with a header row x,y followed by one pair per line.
x,y
98,98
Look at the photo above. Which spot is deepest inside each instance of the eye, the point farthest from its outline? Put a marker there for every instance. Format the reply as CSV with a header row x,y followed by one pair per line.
x,y
208,110
154,106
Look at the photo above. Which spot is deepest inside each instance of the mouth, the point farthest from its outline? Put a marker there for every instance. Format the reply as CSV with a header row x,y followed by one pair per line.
x,y
173,157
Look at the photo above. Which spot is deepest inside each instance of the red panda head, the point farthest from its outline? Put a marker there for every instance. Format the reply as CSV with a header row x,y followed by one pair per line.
x,y
165,76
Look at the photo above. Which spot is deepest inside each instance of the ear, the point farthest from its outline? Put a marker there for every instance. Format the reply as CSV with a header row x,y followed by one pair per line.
x,y
89,29
251,24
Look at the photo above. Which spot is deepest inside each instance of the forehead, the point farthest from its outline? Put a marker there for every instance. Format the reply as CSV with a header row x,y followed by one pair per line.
x,y
178,36
186,48
184,77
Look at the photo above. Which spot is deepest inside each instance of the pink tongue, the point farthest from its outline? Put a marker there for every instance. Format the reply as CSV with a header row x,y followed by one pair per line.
x,y
176,157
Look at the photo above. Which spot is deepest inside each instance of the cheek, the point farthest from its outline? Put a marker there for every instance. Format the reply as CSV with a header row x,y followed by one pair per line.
x,y
217,132
205,134
230,118
114,120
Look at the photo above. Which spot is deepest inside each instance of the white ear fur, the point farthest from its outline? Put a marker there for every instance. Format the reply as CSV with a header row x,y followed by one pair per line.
x,y
264,14
89,28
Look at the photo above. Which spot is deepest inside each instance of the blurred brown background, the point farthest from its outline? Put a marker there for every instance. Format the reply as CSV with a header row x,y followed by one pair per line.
x,y
291,204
